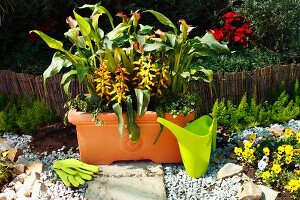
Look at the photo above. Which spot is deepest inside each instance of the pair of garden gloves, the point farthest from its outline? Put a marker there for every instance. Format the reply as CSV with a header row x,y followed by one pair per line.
x,y
74,172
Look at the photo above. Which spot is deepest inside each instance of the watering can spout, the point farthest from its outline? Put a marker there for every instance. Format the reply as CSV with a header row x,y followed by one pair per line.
x,y
195,143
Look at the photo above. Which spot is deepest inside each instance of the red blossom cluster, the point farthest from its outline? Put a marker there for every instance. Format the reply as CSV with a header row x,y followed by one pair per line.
x,y
234,29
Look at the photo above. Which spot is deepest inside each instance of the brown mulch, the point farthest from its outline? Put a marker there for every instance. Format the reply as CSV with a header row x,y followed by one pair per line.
x,y
53,137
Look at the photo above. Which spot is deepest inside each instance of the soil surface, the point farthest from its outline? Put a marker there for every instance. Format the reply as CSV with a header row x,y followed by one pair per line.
x,y
53,137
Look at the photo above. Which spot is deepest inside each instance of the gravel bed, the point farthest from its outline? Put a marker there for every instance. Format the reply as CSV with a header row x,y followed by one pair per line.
x,y
180,186
55,188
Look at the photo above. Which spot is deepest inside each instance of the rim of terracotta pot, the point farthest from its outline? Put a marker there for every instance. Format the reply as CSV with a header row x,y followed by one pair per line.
x,y
78,117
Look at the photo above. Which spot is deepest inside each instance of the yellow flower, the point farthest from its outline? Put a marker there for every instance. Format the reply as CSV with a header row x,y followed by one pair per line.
x,y
297,171
252,137
296,151
238,151
288,149
266,175
276,168
293,185
288,132
266,151
280,149
288,159
247,144
298,137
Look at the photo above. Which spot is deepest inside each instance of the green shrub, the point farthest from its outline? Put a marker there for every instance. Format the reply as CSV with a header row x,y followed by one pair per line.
x,y
25,114
276,24
248,59
247,115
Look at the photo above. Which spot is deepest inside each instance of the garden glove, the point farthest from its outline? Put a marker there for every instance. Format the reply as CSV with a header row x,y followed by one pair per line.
x,y
72,171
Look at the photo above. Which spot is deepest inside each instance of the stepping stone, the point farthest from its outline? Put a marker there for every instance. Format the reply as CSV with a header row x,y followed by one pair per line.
x,y
128,181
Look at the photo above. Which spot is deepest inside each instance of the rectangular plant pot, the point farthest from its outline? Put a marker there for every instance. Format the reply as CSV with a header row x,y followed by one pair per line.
x,y
103,144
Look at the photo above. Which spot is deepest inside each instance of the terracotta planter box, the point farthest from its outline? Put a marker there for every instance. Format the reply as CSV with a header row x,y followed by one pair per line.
x,y
103,144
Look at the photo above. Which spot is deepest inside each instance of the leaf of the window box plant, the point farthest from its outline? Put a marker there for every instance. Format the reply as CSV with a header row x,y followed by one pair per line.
x,y
112,66
171,38
66,80
84,26
52,43
58,62
141,39
118,110
160,113
143,99
210,40
152,47
72,34
163,19
81,72
132,128
145,30
208,74
102,10
118,31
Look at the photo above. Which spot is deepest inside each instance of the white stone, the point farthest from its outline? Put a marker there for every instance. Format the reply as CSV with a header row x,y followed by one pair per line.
x,y
6,144
36,166
250,192
268,193
39,190
8,194
25,190
229,170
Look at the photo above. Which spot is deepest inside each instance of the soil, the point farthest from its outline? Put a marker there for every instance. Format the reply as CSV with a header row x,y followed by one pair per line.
x,y
53,137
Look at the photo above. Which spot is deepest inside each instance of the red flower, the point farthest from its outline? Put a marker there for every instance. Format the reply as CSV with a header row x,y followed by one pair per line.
x,y
218,34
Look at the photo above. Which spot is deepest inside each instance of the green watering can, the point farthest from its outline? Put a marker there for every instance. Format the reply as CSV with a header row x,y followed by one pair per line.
x,y
195,143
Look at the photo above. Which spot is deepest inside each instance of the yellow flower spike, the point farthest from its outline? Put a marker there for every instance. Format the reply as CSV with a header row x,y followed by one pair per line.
x,y
276,168
266,151
266,175
102,79
288,132
281,149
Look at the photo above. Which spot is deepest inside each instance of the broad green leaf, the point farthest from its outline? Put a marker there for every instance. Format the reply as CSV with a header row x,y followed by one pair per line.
x,y
145,30
52,43
58,62
112,66
160,113
66,80
102,10
209,74
141,39
171,38
118,110
153,46
118,31
81,72
163,19
84,26
143,99
74,37
132,128
210,40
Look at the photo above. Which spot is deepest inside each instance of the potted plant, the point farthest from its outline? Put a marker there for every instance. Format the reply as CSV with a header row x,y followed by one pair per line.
x,y
127,71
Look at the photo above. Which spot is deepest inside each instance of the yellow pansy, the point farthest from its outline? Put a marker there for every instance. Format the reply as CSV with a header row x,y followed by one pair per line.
x,y
266,175
238,151
288,160
288,149
276,168
298,137
293,185
288,132
266,151
248,144
279,157
297,171
280,149
252,137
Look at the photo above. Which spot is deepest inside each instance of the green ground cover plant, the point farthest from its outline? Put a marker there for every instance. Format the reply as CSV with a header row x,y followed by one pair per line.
x,y
25,114
250,113
275,158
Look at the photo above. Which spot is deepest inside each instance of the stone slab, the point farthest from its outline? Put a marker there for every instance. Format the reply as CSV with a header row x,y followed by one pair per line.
x,y
128,181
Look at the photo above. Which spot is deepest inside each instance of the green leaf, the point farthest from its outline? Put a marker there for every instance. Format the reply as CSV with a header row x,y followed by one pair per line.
x,y
72,34
102,10
210,40
143,99
52,43
153,46
66,80
118,31
112,66
163,19
145,30
209,74
84,26
171,39
160,113
81,72
118,110
132,128
58,62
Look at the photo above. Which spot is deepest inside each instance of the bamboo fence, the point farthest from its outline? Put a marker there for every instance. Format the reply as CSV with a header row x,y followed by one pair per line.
x,y
228,85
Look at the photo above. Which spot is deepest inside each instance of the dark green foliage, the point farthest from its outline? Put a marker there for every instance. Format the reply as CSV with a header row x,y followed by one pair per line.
x,y
247,115
5,175
248,59
276,25
25,114
2,101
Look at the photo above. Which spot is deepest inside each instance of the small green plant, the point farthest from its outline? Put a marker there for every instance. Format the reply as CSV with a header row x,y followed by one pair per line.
x,y
247,115
5,175
25,114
